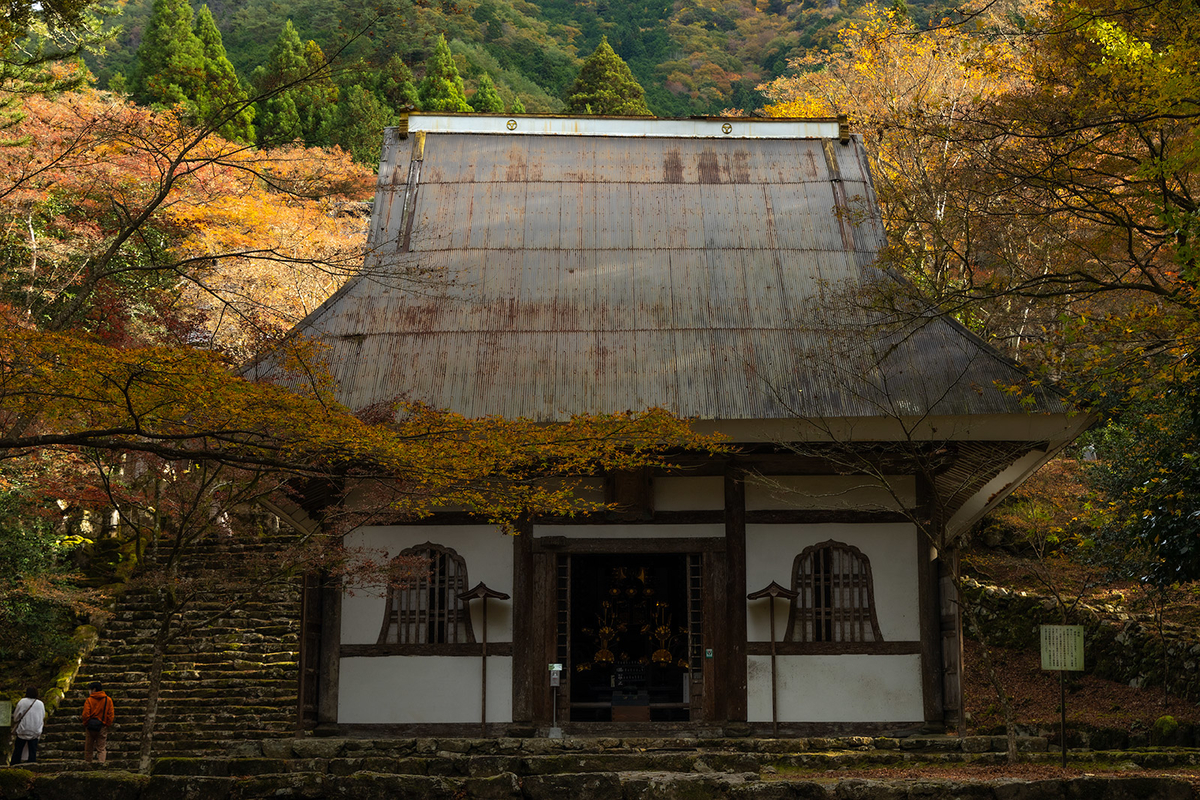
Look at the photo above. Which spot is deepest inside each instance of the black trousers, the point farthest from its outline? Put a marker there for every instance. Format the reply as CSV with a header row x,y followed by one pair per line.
x,y
19,744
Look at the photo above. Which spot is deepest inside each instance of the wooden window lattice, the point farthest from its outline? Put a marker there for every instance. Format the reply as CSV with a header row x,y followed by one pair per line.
x,y
562,609
835,599
426,610
695,605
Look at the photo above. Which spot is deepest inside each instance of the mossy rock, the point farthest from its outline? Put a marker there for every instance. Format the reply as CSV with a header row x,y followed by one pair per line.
x,y
580,786
504,786
188,787
176,765
15,783
297,784
373,786
91,785
1163,732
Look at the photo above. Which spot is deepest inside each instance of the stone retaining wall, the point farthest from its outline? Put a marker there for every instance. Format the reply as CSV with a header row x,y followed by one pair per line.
x,y
1118,645
22,785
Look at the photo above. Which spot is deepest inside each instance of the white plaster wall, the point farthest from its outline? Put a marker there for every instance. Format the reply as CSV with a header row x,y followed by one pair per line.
x,y
423,689
629,532
836,688
891,549
829,491
489,557
704,493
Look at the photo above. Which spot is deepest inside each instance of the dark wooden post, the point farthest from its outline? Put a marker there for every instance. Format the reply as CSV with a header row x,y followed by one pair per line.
x,y
771,592
481,592
734,668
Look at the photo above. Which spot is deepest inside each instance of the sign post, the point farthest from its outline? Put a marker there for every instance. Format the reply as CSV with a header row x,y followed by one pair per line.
x,y
1062,650
555,682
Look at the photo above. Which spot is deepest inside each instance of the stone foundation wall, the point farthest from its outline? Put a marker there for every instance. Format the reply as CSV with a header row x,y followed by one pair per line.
x,y
20,785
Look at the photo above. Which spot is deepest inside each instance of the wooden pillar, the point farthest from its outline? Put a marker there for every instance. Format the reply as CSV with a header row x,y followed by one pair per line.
x,y
951,641
733,670
715,592
540,645
330,658
524,666
310,651
929,604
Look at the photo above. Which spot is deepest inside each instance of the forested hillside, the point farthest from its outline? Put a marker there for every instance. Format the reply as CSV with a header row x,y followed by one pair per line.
x,y
691,57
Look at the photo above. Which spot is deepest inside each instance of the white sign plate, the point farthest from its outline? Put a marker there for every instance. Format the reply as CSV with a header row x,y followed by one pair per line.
x,y
1062,647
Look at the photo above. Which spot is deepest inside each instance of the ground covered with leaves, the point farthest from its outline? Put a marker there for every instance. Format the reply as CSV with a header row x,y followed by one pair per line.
x,y
1092,703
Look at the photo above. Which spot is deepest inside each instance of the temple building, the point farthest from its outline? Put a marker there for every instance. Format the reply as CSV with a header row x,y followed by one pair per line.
x,y
724,269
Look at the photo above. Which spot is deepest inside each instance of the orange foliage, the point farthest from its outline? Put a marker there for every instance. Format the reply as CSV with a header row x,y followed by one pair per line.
x,y
102,191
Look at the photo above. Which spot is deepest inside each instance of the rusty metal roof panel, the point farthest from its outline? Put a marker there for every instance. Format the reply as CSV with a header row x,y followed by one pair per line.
x,y
564,274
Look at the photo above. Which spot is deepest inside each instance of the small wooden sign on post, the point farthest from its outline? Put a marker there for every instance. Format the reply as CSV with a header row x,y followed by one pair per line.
x,y
1062,650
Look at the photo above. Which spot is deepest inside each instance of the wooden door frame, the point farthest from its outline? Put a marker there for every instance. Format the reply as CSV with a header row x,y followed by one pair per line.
x,y
535,579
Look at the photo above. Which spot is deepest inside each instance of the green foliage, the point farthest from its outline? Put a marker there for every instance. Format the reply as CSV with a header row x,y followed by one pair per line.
x,y
606,86
299,96
396,86
361,119
278,120
442,88
511,81
171,64
316,97
35,623
23,17
1149,467
486,99
221,95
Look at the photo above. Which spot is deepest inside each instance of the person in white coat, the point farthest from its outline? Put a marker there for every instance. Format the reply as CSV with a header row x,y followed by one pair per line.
x,y
28,718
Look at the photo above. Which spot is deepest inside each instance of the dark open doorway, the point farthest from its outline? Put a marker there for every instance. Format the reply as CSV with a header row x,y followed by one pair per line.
x,y
630,638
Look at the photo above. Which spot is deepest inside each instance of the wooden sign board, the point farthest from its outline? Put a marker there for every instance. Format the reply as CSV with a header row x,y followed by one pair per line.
x,y
1062,648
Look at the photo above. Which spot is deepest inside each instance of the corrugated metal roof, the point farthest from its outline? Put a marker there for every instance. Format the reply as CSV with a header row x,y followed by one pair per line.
x,y
712,277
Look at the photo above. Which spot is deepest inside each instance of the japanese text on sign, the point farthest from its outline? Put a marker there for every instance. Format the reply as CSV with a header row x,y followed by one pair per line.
x,y
1062,647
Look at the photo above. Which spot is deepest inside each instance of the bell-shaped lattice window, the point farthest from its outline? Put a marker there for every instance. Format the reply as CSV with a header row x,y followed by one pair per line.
x,y
835,599
425,608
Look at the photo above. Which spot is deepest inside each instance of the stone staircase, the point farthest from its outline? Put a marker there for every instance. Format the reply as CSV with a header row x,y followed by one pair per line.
x,y
683,768
224,680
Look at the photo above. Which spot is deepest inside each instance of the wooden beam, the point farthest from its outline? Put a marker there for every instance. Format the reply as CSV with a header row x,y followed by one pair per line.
x,y
835,648
430,649
570,544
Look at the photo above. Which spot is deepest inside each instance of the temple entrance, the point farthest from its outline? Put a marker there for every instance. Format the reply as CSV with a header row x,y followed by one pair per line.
x,y
634,636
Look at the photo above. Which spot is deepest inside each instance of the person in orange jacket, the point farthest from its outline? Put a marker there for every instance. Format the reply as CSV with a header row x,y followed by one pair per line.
x,y
97,718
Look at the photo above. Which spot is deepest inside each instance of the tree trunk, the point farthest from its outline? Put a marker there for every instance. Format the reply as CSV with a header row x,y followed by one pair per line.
x,y
154,689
